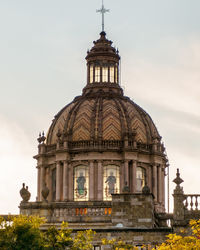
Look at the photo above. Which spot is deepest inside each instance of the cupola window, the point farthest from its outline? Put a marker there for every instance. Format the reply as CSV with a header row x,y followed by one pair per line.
x,y
81,183
140,178
110,181
91,73
105,74
116,74
112,74
97,74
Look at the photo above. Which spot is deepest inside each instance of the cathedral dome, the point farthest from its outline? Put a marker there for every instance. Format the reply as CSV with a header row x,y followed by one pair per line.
x,y
102,112
103,116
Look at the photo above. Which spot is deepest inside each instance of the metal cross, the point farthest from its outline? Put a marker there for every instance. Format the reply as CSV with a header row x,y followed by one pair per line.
x,y
103,11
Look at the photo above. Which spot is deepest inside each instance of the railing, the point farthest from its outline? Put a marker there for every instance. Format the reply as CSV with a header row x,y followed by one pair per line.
x,y
192,201
100,145
82,211
95,144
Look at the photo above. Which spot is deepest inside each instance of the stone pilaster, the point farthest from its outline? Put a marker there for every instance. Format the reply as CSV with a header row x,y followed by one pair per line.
x,y
91,180
155,179
65,182
126,173
38,183
160,186
100,181
58,186
134,176
70,182
122,177
42,180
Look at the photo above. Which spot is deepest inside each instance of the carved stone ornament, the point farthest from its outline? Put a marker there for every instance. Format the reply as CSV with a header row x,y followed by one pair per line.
x,y
25,194
45,192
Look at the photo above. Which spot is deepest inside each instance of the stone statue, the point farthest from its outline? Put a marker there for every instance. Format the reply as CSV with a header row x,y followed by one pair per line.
x,y
81,184
111,180
25,194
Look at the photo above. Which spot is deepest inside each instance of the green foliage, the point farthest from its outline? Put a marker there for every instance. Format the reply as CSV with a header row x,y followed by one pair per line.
x,y
23,232
58,238
83,240
120,245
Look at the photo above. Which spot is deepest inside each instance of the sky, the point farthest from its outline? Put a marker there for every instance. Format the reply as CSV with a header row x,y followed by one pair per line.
x,y
43,45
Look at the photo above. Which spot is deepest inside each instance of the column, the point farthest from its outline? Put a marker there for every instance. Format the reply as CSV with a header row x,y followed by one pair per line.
x,y
38,183
42,180
160,184
58,171
50,185
126,177
70,182
65,166
163,185
121,177
134,176
100,181
155,181
91,180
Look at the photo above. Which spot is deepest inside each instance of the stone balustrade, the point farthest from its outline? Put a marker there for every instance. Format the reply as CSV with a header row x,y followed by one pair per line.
x,y
72,212
192,201
102,145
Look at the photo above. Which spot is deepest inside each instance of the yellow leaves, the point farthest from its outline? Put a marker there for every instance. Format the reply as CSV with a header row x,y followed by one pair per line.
x,y
118,245
179,242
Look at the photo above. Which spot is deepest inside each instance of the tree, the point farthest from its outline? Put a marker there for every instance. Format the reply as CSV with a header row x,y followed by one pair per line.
x,y
183,241
23,232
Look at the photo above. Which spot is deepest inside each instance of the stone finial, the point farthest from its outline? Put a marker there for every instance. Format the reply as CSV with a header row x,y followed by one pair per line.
x,y
178,189
25,194
178,180
126,188
146,189
43,138
39,138
45,192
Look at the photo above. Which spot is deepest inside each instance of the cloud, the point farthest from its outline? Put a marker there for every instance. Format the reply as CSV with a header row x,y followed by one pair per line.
x,y
17,165
169,89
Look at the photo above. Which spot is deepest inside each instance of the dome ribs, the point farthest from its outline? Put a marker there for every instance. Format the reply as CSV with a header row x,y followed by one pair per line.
x,y
93,120
136,123
127,118
121,117
99,128
58,123
83,120
71,119
111,121
149,124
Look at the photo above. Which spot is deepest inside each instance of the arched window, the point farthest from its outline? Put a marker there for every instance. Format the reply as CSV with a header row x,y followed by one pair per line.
x,y
110,181
91,73
81,183
140,178
112,74
97,73
116,74
104,74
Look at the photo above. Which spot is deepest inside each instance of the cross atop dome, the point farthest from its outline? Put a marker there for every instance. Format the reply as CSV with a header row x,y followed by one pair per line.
x,y
103,11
